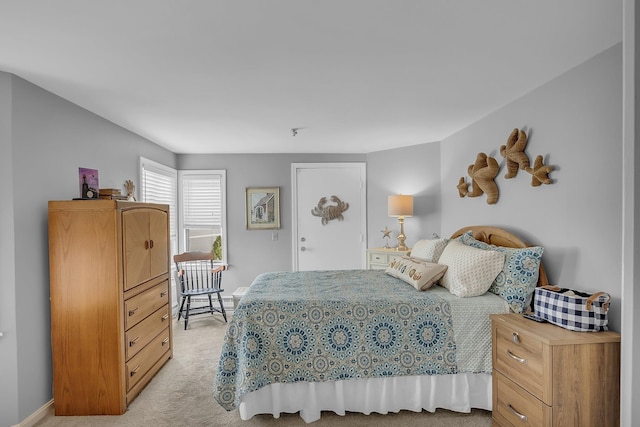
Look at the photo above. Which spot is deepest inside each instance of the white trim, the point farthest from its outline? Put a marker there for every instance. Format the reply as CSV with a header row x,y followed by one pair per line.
x,y
38,415
630,345
223,184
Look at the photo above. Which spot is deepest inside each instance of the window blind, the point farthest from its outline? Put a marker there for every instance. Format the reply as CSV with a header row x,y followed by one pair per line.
x,y
202,201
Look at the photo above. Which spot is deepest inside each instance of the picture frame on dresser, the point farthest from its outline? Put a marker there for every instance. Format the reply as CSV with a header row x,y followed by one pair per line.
x,y
88,181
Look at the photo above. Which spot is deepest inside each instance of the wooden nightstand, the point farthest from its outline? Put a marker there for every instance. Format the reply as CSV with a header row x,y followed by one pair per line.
x,y
544,375
379,258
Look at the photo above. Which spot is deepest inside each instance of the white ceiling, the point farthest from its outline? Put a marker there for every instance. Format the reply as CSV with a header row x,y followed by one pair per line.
x,y
356,76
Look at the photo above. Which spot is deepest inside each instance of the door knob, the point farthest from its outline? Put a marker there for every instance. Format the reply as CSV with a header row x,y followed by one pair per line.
x,y
303,249
302,239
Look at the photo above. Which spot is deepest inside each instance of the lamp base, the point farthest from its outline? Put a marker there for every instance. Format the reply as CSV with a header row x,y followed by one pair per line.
x,y
401,237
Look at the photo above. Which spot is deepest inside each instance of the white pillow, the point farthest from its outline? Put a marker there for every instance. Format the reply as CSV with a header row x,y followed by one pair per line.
x,y
471,270
429,250
419,274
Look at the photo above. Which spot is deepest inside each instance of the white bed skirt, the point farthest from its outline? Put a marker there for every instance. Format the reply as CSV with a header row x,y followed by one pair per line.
x,y
458,393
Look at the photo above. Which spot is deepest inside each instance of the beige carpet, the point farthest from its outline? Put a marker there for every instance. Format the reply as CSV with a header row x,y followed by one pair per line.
x,y
180,395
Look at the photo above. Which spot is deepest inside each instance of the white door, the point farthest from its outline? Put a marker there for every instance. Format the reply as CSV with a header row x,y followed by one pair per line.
x,y
329,216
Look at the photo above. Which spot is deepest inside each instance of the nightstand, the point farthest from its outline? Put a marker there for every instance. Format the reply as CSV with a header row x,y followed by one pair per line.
x,y
379,258
544,375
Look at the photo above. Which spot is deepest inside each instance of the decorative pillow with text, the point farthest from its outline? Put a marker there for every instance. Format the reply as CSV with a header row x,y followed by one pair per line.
x,y
419,274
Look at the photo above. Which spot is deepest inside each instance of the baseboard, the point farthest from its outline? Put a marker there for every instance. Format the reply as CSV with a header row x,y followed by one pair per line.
x,y
32,419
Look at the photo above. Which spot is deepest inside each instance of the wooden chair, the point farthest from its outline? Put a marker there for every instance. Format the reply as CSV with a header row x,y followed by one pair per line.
x,y
197,276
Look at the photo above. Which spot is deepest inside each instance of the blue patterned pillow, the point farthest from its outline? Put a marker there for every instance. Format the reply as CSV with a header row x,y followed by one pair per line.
x,y
519,277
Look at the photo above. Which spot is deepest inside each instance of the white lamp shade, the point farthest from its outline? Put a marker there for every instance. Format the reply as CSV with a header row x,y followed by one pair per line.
x,y
400,205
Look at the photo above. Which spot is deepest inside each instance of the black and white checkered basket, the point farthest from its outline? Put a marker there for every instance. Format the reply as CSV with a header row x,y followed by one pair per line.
x,y
579,312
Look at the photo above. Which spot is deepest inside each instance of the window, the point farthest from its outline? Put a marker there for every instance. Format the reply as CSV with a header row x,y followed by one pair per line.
x,y
158,184
202,221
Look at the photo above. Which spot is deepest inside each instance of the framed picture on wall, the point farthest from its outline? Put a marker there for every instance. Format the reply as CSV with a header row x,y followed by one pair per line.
x,y
262,208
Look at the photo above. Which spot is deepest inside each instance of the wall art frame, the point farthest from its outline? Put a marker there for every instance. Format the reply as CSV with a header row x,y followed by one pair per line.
x,y
262,208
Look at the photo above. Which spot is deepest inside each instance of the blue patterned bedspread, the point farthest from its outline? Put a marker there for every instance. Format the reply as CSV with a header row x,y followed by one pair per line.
x,y
334,325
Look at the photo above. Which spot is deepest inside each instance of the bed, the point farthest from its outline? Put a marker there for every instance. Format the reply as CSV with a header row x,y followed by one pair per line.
x,y
366,341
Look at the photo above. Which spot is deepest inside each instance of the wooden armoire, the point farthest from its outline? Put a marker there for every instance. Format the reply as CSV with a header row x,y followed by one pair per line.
x,y
110,302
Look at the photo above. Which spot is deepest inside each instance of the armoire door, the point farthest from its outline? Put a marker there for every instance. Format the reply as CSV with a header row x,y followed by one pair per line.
x,y
145,245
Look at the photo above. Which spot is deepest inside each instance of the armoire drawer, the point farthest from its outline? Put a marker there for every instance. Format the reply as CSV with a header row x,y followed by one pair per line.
x,y
139,336
140,306
140,364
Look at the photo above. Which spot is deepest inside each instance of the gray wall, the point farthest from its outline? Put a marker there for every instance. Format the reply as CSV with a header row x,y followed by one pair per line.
x,y
8,342
252,252
411,170
575,122
50,138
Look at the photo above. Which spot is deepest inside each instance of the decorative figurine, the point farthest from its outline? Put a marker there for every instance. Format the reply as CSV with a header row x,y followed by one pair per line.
x,y
386,234
128,185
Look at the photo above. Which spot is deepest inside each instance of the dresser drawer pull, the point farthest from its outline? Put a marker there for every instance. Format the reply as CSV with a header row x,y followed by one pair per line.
x,y
133,341
163,294
516,413
165,317
515,338
133,311
134,371
165,341
519,359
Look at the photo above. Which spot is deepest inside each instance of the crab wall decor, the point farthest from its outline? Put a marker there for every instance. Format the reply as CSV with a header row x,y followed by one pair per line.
x,y
330,212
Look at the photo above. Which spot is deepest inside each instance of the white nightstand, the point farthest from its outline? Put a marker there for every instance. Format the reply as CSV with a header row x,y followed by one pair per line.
x,y
379,258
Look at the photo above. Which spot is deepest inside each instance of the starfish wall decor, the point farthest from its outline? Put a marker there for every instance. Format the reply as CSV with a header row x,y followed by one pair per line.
x,y
484,171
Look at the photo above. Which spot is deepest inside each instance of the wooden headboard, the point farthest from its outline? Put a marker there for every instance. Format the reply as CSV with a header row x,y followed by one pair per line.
x,y
500,237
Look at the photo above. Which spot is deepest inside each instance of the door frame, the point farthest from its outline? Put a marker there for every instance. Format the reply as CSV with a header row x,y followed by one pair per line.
x,y
294,203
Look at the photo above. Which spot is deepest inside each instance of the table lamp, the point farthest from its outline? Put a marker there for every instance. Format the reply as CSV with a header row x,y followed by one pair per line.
x,y
401,206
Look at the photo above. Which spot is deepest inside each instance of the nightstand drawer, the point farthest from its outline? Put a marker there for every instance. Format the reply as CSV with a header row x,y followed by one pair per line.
x,y
378,258
515,407
524,359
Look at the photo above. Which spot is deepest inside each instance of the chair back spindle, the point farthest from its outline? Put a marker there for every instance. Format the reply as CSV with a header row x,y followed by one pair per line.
x,y
197,275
